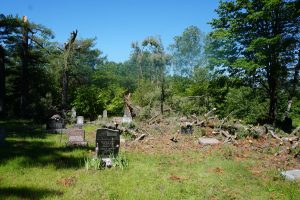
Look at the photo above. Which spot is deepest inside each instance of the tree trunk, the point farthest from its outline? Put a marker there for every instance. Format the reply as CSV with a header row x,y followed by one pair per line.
x,y
24,71
162,98
2,82
64,92
65,77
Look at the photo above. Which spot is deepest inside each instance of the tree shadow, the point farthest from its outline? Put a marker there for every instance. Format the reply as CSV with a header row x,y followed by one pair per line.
x,y
25,145
40,154
27,193
20,130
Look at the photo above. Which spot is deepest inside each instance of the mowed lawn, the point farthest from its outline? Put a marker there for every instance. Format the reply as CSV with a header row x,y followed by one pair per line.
x,y
37,165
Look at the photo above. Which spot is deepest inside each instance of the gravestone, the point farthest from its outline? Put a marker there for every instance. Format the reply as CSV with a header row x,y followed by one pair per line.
x,y
126,120
55,124
107,142
104,114
117,120
73,113
187,128
79,122
76,137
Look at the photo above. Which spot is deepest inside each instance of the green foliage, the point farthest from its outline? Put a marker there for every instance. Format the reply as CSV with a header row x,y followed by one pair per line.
x,y
120,161
187,51
256,41
93,163
246,104
88,101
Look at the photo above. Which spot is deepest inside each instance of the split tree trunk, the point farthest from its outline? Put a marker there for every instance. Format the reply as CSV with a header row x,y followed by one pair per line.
x,y
65,77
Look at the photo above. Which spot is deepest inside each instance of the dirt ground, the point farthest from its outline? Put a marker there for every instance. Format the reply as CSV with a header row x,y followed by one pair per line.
x,y
269,151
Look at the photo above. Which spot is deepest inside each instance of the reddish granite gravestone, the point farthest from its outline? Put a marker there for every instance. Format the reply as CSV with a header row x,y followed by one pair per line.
x,y
76,137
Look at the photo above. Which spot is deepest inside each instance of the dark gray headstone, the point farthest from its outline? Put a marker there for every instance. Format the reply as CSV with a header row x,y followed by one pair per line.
x,y
108,142
55,122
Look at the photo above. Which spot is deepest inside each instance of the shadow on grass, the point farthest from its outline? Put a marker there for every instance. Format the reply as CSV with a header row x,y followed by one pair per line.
x,y
39,154
27,193
23,147
16,129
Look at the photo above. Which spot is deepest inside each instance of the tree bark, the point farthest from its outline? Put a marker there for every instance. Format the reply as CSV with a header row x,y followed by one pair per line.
x,y
2,81
65,77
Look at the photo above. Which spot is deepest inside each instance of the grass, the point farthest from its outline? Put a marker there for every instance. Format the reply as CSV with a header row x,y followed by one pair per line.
x,y
37,165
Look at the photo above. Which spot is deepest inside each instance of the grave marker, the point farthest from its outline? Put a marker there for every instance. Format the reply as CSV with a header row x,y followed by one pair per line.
x,y
104,114
76,136
108,142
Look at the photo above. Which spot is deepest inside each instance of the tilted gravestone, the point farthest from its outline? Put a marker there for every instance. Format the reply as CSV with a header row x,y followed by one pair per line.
x,y
107,142
76,137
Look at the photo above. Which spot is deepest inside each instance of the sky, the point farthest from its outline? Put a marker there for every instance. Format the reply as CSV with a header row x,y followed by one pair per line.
x,y
115,23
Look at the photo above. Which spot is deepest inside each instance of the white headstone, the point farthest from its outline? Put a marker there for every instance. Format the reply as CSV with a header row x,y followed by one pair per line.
x,y
80,120
126,119
104,113
73,113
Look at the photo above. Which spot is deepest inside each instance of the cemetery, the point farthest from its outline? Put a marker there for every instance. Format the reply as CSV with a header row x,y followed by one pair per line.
x,y
154,100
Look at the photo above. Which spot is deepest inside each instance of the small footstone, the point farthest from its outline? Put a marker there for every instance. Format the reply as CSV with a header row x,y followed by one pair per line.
x,y
208,141
292,175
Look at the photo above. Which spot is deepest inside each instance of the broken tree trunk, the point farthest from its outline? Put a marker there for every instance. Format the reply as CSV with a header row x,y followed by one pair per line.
x,y
65,77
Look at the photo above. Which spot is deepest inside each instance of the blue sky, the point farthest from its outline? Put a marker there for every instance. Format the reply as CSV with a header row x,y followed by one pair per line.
x,y
115,23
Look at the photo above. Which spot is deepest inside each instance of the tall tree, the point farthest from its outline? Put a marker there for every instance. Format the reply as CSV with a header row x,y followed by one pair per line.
x,y
8,26
188,51
258,38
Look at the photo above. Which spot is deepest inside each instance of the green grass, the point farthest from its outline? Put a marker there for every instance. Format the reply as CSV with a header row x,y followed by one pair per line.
x,y
36,165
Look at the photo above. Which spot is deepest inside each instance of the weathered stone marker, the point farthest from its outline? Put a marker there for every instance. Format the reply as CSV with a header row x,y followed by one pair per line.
x,y
208,141
104,114
56,124
76,137
107,142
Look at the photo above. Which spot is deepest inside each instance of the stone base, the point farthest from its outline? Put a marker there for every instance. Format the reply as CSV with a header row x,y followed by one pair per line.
x,y
208,141
292,175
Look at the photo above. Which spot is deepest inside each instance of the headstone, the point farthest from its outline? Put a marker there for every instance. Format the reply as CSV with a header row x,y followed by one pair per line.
x,y
117,120
126,120
55,124
105,114
107,142
292,175
187,128
208,141
80,120
76,137
73,113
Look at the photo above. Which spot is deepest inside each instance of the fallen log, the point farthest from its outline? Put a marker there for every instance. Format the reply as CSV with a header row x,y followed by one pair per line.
x,y
275,136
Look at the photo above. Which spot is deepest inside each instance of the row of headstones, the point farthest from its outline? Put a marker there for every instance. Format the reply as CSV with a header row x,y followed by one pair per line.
x,y
107,140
